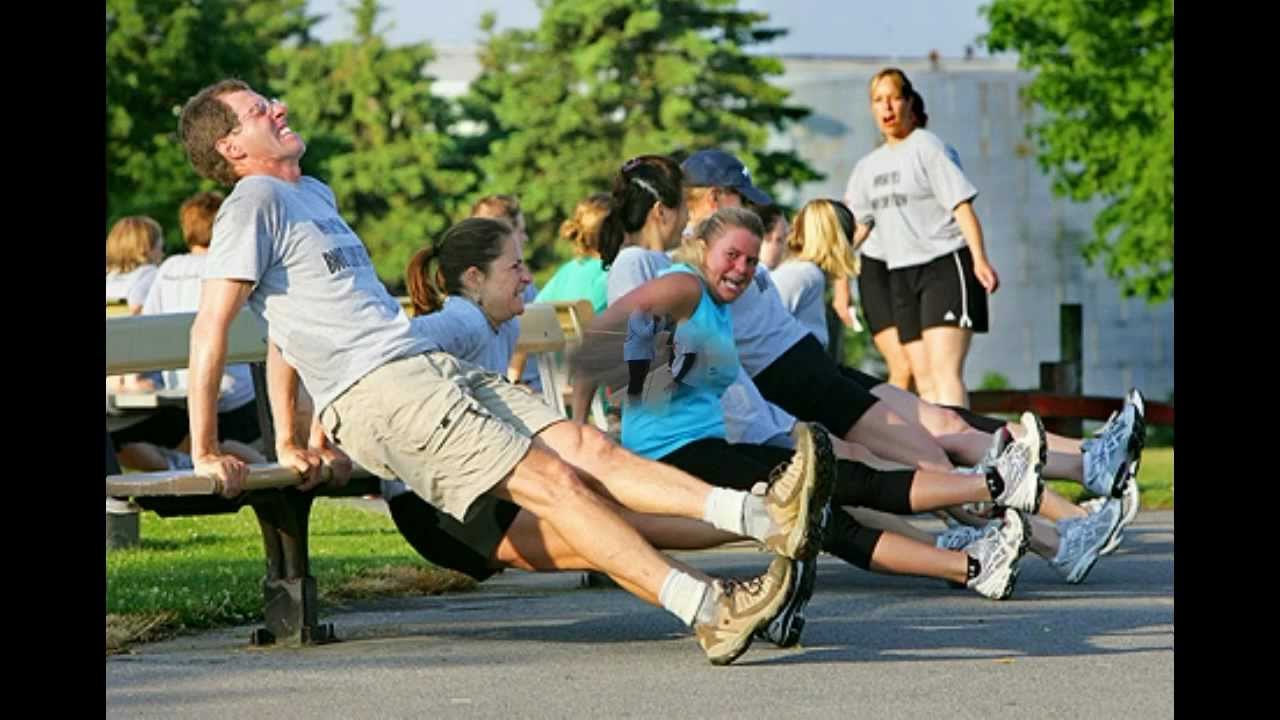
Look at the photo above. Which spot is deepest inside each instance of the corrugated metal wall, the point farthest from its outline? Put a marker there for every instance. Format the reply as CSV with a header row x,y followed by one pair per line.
x,y
1032,237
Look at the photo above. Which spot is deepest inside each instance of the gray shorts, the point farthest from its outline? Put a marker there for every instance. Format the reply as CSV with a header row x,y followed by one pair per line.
x,y
447,428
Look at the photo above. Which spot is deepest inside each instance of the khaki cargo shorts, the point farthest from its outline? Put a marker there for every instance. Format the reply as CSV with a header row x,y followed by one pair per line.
x,y
446,427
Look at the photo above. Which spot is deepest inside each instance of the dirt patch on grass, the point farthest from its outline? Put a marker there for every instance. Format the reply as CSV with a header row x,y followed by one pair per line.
x,y
400,581
124,630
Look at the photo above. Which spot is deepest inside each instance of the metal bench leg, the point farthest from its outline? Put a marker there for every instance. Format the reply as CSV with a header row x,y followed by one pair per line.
x,y
289,592
122,515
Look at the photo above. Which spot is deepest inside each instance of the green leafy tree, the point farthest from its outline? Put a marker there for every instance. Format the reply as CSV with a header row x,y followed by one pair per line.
x,y
159,53
378,137
556,110
1104,76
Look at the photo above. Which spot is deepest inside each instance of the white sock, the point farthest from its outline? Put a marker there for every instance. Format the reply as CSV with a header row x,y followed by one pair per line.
x,y
756,522
725,510
682,594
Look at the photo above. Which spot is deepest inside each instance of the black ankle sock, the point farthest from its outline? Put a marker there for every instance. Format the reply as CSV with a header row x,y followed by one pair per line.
x,y
975,568
995,483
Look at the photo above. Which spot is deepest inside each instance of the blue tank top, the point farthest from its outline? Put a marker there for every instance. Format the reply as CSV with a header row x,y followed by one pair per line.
x,y
705,365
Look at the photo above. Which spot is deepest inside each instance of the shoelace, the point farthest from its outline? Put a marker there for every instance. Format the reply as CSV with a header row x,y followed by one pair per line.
x,y
749,585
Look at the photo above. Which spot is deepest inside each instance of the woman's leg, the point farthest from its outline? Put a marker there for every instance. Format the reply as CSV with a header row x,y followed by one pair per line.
x,y
946,348
921,371
895,358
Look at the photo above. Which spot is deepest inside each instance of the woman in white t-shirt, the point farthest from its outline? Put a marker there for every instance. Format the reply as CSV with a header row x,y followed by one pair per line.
x,y
135,246
817,250
929,238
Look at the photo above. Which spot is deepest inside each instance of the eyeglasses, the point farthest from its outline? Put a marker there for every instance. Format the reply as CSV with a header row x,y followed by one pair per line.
x,y
257,110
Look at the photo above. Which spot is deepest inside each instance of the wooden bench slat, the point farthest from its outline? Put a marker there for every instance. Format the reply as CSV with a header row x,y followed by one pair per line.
x,y
185,482
142,343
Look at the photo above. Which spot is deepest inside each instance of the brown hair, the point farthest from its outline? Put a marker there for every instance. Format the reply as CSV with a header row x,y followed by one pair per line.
x,y
205,120
908,91
641,182
474,242
693,249
196,217
130,241
505,207
582,229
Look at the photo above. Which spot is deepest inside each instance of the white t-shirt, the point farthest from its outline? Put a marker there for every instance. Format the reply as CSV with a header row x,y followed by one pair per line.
x,y
802,286
762,326
748,417
314,283
177,289
912,190
131,286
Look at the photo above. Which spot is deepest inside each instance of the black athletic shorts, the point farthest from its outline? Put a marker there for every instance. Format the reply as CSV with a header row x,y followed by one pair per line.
x,y
943,291
807,383
167,427
438,536
874,295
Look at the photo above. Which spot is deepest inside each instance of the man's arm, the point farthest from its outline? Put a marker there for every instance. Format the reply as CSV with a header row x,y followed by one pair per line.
x,y
300,439
220,301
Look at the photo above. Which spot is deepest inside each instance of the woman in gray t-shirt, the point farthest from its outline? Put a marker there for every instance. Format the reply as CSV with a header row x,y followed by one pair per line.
x,y
927,235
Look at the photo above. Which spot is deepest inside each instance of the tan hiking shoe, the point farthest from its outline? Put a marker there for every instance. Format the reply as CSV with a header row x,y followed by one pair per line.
x,y
744,607
799,489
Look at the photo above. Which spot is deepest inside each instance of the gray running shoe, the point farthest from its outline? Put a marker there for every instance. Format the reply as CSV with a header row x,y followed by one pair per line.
x,y
958,537
1020,466
784,630
1080,541
998,552
1114,447
744,607
799,490
1130,503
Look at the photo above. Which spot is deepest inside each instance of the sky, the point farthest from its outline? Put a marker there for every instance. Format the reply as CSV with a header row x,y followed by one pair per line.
x,y
888,28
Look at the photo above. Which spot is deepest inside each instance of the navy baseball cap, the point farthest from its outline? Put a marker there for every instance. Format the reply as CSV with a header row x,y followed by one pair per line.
x,y
716,168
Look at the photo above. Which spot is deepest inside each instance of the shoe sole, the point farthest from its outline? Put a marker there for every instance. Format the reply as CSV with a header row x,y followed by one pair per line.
x,y
1023,546
766,616
805,540
1128,472
790,621
1042,457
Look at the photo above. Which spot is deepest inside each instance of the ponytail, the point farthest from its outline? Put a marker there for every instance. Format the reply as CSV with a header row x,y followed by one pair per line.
x,y
424,291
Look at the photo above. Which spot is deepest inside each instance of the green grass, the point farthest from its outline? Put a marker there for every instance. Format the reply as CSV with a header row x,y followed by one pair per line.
x,y
1155,479
199,572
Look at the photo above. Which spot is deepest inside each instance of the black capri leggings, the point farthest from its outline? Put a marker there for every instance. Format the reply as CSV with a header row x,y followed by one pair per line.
x,y
807,383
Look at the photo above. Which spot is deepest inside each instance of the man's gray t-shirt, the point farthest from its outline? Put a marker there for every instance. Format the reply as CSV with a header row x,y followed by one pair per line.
x,y
912,190
802,286
762,327
177,289
314,284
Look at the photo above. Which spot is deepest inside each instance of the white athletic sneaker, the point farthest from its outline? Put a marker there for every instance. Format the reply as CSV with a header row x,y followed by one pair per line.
x,y
1130,503
1020,467
998,551
1081,540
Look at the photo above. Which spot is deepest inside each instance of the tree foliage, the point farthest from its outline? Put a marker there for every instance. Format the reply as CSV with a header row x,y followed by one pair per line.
x,y
378,137
560,107
159,53
1104,77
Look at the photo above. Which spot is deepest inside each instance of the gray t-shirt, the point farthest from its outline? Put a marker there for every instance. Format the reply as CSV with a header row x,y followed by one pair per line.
x,y
177,289
748,417
802,286
912,190
131,286
461,329
762,326
314,284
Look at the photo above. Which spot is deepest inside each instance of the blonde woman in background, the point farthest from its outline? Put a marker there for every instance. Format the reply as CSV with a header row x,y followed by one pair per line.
x,y
584,276
135,247
817,250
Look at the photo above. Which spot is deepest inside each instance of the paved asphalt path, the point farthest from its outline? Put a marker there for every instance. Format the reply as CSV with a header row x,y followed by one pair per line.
x,y
526,646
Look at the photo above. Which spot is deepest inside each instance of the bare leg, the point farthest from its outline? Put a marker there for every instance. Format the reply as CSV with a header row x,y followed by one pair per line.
x,y
888,435
534,545
903,556
546,486
947,347
142,456
1055,507
934,490
895,358
920,370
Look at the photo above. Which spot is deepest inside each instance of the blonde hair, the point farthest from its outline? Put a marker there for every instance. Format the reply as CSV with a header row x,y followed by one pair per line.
x,y
693,249
582,229
818,235
130,241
